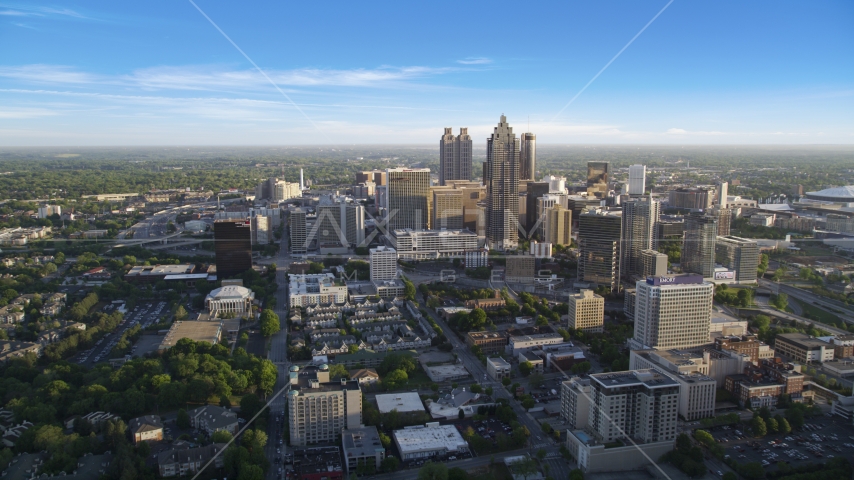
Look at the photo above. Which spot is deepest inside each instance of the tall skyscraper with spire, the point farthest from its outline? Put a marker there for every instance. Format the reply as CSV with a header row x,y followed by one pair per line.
x,y
454,156
528,157
502,187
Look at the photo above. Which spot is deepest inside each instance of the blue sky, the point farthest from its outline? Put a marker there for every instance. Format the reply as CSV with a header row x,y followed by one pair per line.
x,y
158,73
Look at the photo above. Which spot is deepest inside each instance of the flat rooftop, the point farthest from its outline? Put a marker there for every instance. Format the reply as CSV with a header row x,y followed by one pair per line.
x,y
498,362
648,377
361,442
159,270
802,340
402,402
199,331
429,438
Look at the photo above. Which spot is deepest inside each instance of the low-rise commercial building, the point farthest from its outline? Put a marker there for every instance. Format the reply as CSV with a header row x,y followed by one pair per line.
x,y
430,441
402,402
520,343
490,343
803,348
320,463
593,455
497,368
145,274
744,344
536,362
362,446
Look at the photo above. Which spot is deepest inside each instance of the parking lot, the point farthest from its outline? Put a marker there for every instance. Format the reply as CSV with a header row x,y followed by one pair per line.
x,y
821,438
144,314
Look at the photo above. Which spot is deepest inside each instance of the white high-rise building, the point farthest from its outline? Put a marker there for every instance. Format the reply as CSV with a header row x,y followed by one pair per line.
x,y
556,184
48,210
637,179
319,409
673,311
383,264
723,190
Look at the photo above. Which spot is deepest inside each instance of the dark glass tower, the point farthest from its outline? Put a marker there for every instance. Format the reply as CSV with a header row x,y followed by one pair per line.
x,y
233,246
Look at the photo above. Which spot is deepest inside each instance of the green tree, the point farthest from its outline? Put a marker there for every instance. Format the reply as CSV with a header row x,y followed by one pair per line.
x,y
180,313
182,421
390,464
506,381
408,289
250,404
525,368
395,380
461,415
433,471
758,426
385,440
783,425
269,323
221,436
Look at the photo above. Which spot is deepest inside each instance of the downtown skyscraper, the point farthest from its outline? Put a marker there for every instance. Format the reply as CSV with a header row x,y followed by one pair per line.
x,y
454,156
501,176
640,219
528,157
408,198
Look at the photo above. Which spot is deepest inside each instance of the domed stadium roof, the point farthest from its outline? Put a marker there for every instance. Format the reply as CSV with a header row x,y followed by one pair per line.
x,y
836,194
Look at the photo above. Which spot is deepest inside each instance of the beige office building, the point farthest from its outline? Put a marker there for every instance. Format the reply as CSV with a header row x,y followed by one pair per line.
x,y
319,409
408,198
586,312
447,209
558,229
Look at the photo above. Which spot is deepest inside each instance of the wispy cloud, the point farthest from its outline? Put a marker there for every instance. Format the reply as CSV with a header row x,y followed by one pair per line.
x,y
20,113
24,25
475,61
217,78
47,74
16,13
682,131
40,11
62,11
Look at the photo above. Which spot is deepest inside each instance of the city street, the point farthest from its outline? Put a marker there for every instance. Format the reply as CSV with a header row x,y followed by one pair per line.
x,y
278,354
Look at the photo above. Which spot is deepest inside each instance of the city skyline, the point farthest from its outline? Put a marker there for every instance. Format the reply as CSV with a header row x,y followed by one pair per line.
x,y
104,74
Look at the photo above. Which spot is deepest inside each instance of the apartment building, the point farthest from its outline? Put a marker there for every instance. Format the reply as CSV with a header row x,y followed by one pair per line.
x,y
575,396
314,289
383,262
641,404
319,409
